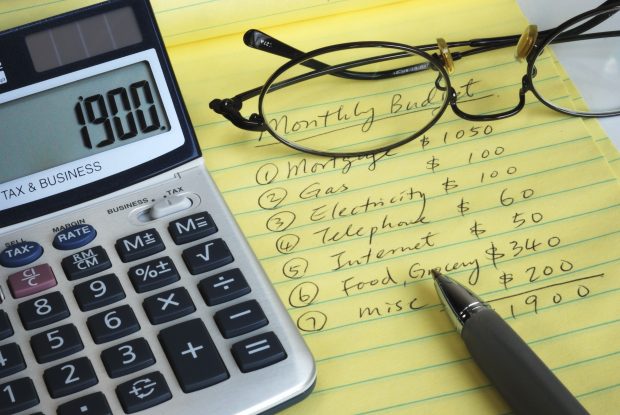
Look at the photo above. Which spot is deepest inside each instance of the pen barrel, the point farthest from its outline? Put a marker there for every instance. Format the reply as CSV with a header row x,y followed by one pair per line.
x,y
525,382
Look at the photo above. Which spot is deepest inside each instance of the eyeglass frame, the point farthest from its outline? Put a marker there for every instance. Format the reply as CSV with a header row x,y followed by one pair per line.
x,y
230,107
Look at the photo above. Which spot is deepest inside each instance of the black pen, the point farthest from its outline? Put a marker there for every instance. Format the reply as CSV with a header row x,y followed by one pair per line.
x,y
527,385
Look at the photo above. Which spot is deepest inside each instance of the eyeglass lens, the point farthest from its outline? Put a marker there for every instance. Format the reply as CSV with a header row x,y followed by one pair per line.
x,y
593,66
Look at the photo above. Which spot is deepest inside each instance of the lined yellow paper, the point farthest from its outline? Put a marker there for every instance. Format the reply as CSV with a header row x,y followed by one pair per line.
x,y
349,243
524,211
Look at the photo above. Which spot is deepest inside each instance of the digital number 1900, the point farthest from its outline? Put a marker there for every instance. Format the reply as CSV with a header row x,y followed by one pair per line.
x,y
117,113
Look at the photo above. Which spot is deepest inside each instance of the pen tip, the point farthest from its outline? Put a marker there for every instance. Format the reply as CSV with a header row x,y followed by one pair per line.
x,y
436,274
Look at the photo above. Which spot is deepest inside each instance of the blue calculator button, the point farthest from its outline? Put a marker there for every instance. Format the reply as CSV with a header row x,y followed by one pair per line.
x,y
74,237
20,254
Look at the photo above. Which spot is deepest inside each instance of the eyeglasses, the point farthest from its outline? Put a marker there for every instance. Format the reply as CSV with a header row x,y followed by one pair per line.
x,y
361,98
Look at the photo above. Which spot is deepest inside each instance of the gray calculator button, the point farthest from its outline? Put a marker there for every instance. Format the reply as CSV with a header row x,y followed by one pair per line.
x,y
98,292
127,357
70,377
191,228
143,392
153,274
93,404
56,343
258,352
112,324
6,329
86,262
17,395
240,319
11,360
139,245
168,305
223,287
43,310
192,355
207,256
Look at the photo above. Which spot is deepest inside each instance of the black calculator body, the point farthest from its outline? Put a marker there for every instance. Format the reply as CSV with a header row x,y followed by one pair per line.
x,y
125,283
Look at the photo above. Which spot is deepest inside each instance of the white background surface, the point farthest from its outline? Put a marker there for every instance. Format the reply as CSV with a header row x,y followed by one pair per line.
x,y
548,14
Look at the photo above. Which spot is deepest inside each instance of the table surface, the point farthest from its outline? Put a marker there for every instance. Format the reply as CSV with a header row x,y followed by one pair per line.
x,y
550,13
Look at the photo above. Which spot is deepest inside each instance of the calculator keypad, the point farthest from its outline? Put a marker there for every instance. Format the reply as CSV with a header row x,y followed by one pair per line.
x,y
171,287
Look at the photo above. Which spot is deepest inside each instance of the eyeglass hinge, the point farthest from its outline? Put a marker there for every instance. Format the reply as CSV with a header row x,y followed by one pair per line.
x,y
229,108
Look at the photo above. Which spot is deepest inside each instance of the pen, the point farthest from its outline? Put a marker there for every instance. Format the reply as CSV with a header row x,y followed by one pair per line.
x,y
527,385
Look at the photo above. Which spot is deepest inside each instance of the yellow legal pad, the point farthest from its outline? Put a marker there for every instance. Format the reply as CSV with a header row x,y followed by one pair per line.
x,y
523,211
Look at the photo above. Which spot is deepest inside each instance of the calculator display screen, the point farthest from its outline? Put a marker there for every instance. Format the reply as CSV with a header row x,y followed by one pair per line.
x,y
80,119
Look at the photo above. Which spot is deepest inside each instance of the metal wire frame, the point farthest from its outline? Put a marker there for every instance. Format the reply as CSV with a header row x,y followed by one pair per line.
x,y
230,107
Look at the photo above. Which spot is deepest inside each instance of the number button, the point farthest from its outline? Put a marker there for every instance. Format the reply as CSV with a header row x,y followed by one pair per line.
x,y
98,292
153,274
127,358
93,404
11,360
43,310
139,245
112,324
6,329
70,377
17,395
56,343
168,305
143,392
207,256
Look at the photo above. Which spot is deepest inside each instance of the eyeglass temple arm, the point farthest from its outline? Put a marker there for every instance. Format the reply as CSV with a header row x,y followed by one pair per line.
x,y
261,41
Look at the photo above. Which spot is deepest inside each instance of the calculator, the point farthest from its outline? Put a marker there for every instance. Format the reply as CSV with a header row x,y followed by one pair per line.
x,y
125,284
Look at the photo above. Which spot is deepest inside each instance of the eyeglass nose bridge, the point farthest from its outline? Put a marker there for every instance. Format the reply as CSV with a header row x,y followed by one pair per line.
x,y
525,86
